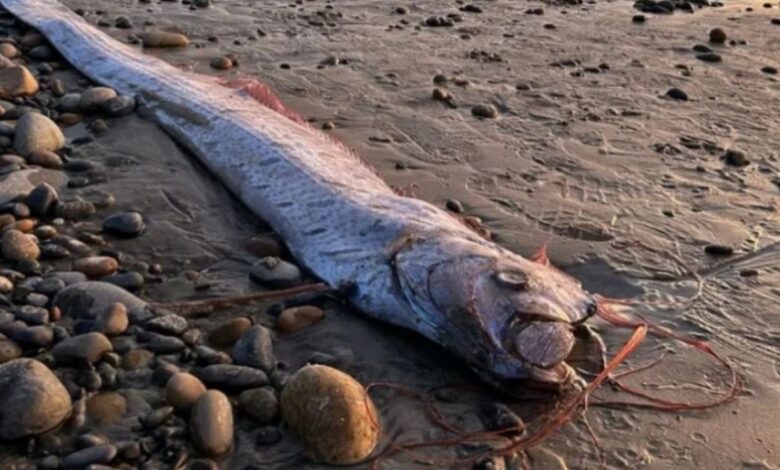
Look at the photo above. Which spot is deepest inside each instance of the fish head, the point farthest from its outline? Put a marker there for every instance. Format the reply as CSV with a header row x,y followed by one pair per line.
x,y
511,317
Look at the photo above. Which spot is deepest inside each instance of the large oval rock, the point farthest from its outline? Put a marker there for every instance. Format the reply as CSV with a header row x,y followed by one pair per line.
x,y
33,399
331,414
37,133
211,424
89,299
18,246
89,347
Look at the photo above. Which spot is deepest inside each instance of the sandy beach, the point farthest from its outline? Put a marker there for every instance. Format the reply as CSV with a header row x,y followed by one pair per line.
x,y
582,147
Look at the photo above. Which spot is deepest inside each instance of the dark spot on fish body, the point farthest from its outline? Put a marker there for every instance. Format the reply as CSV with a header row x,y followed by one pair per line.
x,y
315,232
321,204
285,204
267,162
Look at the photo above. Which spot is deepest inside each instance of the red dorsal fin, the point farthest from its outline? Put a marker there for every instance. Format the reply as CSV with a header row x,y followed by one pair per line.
x,y
541,255
262,94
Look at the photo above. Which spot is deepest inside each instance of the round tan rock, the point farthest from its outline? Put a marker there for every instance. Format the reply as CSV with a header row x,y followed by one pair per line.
x,y
96,267
183,390
37,133
17,246
114,320
45,159
17,81
331,414
163,39
92,99
297,318
228,333
9,51
33,399
211,424
106,408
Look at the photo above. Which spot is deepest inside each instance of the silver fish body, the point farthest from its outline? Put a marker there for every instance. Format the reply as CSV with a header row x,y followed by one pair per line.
x,y
411,263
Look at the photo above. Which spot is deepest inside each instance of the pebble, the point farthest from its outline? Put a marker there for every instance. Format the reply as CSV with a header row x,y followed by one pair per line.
x,y
45,159
34,400
275,273
113,321
40,336
32,315
441,94
717,36
221,63
96,267
264,246
297,318
453,205
84,458
162,344
8,50
49,286
736,157
118,106
93,99
75,210
719,250
255,349
9,350
106,408
638,19
232,377
18,246
87,347
170,324
331,414
183,390
211,424
130,281
260,403
677,94
769,70
124,224
17,81
157,418
37,133
42,199
163,39
486,111
709,57
228,333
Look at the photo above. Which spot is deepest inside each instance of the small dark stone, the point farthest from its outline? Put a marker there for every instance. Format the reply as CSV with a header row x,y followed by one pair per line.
x,y
709,57
769,70
486,111
736,157
231,377
42,199
719,250
677,94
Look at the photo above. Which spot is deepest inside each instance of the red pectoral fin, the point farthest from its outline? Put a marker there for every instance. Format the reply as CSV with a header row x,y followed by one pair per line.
x,y
541,256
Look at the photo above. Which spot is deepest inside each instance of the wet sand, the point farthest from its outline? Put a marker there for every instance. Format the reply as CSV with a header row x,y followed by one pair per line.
x,y
587,161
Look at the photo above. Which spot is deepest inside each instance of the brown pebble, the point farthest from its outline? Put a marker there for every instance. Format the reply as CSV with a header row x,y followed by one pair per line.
x,y
106,408
228,333
113,320
486,111
221,63
441,94
17,246
717,36
96,267
137,359
264,245
297,318
183,390
211,424
163,39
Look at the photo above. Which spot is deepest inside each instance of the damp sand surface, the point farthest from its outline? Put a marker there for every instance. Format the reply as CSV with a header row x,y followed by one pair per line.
x,y
586,154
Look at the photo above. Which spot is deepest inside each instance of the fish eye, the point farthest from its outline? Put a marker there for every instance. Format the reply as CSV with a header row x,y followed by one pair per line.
x,y
514,279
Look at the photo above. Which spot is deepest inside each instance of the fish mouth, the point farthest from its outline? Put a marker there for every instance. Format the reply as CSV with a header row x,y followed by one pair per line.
x,y
540,382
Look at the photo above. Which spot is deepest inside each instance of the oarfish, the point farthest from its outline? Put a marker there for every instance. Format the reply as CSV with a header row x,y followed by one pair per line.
x,y
409,263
